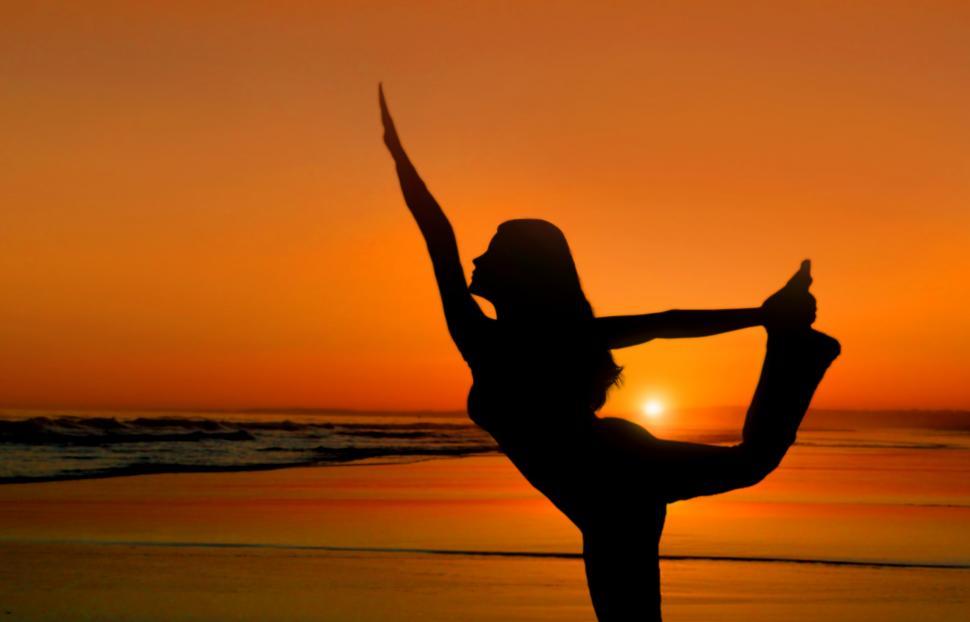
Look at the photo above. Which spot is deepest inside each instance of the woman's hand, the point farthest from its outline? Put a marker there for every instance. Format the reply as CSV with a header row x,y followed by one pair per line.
x,y
391,138
793,306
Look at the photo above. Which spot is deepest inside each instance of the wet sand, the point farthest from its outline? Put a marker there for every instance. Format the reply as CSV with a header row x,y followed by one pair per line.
x,y
81,582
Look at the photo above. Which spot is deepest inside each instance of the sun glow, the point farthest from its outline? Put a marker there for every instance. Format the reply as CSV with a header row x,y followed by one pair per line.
x,y
653,409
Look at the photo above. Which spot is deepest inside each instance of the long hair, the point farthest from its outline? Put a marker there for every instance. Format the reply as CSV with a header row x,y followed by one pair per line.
x,y
542,279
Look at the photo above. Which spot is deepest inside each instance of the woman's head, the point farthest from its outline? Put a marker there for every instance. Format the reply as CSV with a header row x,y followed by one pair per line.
x,y
528,273
528,270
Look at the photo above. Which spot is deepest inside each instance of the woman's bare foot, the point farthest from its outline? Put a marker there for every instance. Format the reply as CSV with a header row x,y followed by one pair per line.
x,y
792,307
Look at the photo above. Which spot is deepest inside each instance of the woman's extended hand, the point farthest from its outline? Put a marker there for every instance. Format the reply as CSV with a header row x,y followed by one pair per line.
x,y
793,305
391,138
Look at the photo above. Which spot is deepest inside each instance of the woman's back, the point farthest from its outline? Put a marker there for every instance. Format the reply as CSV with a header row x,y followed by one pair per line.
x,y
528,393
526,379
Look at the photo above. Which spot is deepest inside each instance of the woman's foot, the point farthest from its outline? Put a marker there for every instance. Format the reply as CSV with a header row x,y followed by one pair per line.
x,y
793,306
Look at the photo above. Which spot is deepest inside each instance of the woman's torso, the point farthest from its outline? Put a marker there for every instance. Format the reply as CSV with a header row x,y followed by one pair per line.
x,y
527,394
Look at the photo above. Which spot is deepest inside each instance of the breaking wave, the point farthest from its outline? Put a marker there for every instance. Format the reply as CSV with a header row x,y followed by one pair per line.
x,y
73,447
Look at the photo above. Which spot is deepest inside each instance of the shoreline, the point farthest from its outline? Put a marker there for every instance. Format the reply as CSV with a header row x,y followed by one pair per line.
x,y
847,563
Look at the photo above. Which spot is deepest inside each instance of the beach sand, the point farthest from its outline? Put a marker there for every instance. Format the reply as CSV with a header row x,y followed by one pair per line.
x,y
247,546
85,582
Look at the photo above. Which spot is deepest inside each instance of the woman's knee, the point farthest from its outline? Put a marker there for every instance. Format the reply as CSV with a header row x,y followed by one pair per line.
x,y
757,461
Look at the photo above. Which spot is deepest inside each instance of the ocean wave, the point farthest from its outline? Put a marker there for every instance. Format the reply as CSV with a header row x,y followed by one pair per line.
x,y
70,447
91,430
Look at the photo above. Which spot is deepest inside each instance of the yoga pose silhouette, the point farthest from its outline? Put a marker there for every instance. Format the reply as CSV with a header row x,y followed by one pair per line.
x,y
541,370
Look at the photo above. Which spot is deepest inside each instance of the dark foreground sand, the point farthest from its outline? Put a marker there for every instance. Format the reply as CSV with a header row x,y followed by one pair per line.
x,y
90,582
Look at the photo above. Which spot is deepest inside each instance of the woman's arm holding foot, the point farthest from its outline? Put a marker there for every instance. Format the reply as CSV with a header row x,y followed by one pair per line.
x,y
792,305
622,331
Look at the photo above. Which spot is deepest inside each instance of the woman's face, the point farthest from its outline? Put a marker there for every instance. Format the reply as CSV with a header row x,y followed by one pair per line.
x,y
485,276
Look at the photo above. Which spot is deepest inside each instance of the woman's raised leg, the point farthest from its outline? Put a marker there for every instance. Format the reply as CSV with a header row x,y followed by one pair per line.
x,y
639,474
795,363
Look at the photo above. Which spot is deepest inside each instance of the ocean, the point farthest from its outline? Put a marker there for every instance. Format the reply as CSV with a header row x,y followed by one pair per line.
x,y
61,446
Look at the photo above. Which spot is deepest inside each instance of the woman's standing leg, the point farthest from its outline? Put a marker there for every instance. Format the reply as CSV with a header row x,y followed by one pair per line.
x,y
622,562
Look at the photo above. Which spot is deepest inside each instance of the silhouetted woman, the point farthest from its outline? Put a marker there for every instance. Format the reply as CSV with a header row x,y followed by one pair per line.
x,y
541,370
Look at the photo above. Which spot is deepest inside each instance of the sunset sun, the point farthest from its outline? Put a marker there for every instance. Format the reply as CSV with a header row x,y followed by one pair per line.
x,y
653,409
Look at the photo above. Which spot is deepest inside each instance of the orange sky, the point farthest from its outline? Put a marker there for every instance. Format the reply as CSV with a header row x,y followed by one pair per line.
x,y
197,208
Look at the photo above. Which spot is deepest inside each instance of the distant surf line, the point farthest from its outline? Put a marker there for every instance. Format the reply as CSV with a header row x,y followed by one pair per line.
x,y
169,469
485,553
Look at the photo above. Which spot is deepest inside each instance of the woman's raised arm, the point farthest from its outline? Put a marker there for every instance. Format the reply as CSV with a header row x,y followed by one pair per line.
x,y
462,313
